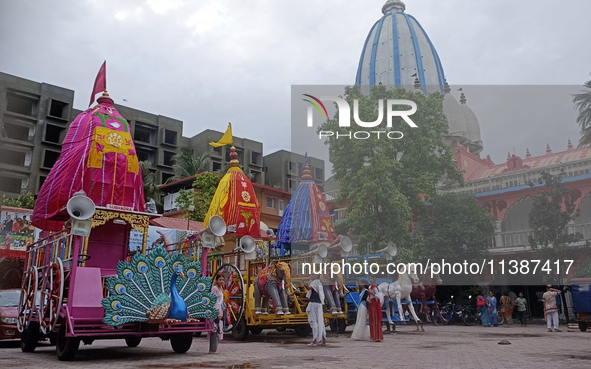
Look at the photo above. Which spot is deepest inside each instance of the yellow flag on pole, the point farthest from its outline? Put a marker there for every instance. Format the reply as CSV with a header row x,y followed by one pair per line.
x,y
226,138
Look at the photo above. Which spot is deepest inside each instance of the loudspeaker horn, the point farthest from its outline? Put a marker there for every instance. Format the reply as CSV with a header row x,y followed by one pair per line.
x,y
247,244
345,244
80,207
321,251
216,226
389,250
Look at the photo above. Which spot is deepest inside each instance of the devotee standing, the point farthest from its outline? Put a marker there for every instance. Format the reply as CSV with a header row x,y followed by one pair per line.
x,y
507,309
481,304
218,323
521,309
315,312
491,302
374,307
361,330
551,308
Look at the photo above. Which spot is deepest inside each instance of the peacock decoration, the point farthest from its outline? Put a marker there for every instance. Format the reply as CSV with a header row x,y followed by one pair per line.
x,y
158,288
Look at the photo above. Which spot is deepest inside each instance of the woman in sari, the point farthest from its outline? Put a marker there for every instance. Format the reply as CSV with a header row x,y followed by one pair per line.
x,y
507,308
374,308
491,302
481,303
361,330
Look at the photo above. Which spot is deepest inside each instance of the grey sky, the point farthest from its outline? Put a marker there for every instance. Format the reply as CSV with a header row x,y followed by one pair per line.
x,y
210,62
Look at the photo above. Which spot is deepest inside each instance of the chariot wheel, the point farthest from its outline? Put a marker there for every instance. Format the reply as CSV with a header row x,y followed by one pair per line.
x,y
52,293
26,304
233,294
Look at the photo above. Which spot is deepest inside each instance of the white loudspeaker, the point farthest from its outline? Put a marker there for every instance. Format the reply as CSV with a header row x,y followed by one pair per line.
x,y
389,250
319,252
346,244
80,207
247,244
216,226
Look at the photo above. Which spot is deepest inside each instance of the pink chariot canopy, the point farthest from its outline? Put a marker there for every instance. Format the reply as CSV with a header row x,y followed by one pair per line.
x,y
98,157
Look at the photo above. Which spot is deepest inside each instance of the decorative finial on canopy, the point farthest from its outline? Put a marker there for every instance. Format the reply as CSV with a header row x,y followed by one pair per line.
x,y
307,173
233,158
105,99
396,6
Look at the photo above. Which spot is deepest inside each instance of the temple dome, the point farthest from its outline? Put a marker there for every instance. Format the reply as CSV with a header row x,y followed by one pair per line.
x,y
472,126
396,50
455,117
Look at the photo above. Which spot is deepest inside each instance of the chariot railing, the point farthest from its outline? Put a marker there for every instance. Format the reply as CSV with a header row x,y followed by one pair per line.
x,y
44,251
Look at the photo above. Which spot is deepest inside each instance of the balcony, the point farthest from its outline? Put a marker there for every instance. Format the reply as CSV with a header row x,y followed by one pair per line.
x,y
331,195
520,238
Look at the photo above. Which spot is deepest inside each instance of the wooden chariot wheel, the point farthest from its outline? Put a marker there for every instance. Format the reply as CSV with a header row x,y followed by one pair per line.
x,y
26,304
52,294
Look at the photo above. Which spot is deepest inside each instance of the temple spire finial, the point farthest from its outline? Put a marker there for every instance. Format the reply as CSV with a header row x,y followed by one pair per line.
x,y
570,145
233,158
393,6
527,154
548,150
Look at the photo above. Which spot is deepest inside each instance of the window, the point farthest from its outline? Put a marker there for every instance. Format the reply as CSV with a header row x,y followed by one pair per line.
x,y
8,184
145,155
280,207
144,135
319,173
50,158
271,202
52,134
292,184
216,165
21,104
256,158
166,176
217,150
58,109
15,132
168,158
41,180
170,137
13,157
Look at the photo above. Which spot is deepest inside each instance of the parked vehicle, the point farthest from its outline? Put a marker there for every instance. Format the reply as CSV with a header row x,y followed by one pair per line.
x,y
582,301
8,314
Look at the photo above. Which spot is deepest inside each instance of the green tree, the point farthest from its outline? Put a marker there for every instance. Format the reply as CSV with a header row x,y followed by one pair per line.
x,y
381,178
582,103
25,200
552,210
205,185
186,164
456,226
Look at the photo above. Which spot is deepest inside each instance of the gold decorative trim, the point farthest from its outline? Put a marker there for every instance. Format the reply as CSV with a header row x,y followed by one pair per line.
x,y
139,222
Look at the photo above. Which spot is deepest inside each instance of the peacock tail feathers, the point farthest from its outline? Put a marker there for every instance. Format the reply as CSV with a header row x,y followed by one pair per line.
x,y
120,309
140,265
160,267
141,290
201,305
189,283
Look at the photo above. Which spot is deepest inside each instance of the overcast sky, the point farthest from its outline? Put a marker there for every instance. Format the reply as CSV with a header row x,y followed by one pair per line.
x,y
212,62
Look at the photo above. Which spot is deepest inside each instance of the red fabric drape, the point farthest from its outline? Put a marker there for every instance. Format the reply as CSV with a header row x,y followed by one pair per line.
x,y
375,316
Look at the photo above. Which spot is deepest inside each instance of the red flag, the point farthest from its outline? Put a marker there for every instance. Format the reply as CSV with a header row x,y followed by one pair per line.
x,y
100,83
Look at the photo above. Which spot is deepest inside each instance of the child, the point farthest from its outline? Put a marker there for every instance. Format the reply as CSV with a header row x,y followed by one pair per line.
x,y
521,308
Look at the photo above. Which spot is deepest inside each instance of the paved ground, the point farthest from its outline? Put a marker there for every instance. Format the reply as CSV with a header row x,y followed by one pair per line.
x,y
438,347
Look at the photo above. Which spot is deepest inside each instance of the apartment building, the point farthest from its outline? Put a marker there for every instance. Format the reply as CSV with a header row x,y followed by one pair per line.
x,y
284,168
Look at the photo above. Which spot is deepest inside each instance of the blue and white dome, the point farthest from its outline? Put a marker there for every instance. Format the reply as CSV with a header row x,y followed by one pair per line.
x,y
398,50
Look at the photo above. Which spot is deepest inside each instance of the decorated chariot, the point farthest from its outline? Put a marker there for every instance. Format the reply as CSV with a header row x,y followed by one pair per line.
x,y
80,283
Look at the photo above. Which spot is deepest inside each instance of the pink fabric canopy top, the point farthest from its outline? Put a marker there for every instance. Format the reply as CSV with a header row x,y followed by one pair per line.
x,y
98,157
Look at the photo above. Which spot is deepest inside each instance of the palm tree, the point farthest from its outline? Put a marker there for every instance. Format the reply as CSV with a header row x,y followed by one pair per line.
x,y
582,103
151,190
186,165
